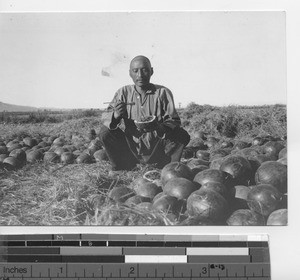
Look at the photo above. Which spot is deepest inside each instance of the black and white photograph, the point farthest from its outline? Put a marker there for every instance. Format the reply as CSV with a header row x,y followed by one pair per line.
x,y
143,118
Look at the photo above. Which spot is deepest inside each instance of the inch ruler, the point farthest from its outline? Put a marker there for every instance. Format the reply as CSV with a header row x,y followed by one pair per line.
x,y
135,257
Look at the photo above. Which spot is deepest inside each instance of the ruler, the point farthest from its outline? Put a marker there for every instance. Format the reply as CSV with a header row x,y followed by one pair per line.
x,y
135,257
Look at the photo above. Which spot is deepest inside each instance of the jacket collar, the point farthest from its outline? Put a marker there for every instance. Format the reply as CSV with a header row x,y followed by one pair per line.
x,y
151,89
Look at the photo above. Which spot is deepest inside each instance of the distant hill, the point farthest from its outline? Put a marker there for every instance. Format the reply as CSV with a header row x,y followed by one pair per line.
x,y
16,108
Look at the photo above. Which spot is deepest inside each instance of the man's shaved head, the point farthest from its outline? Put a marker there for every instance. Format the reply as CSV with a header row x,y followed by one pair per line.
x,y
141,57
141,71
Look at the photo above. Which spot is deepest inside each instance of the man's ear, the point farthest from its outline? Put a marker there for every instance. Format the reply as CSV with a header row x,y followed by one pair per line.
x,y
152,71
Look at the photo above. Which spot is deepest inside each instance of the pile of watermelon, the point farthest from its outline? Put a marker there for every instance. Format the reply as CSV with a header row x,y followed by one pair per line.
x,y
66,149
217,183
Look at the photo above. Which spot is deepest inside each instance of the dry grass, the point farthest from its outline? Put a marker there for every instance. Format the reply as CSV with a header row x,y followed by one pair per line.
x,y
77,194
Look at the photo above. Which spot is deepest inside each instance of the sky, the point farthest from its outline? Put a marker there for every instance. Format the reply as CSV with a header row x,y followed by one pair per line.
x,y
79,60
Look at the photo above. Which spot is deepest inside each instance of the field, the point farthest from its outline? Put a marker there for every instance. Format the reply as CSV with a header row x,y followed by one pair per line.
x,y
62,193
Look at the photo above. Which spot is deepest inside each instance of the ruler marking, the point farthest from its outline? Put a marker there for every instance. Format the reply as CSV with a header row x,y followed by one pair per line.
x,y
232,269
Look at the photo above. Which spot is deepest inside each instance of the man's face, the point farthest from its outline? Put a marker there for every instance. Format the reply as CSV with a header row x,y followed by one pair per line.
x,y
140,71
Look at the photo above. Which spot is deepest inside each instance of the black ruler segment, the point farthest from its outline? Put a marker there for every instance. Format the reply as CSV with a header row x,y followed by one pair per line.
x,y
178,244
13,243
150,244
31,251
32,258
219,259
122,243
93,259
233,244
65,243
259,254
205,244
91,243
257,244
39,243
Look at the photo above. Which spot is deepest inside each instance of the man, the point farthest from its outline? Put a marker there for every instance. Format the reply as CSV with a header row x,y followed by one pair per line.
x,y
124,143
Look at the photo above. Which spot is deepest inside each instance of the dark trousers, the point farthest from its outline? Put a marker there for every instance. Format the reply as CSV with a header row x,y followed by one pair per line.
x,y
123,155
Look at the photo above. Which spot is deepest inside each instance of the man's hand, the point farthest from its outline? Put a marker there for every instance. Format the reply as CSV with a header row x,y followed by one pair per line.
x,y
155,126
120,111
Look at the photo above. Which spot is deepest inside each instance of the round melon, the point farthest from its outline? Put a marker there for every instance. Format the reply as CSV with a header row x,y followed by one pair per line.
x,y
282,153
84,158
278,218
200,135
258,141
180,188
11,163
238,167
14,147
60,150
283,161
216,163
3,157
207,205
198,168
144,206
273,148
249,152
51,157
239,145
3,150
58,141
264,199
197,143
196,162
159,195
42,144
204,155
35,155
120,194
212,175
217,187
175,170
264,157
11,143
18,154
70,148
168,204
226,144
245,217
100,155
136,199
219,153
145,188
188,153
94,146
67,158
273,173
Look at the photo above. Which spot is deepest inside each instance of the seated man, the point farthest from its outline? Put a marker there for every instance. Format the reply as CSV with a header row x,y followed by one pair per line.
x,y
124,143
